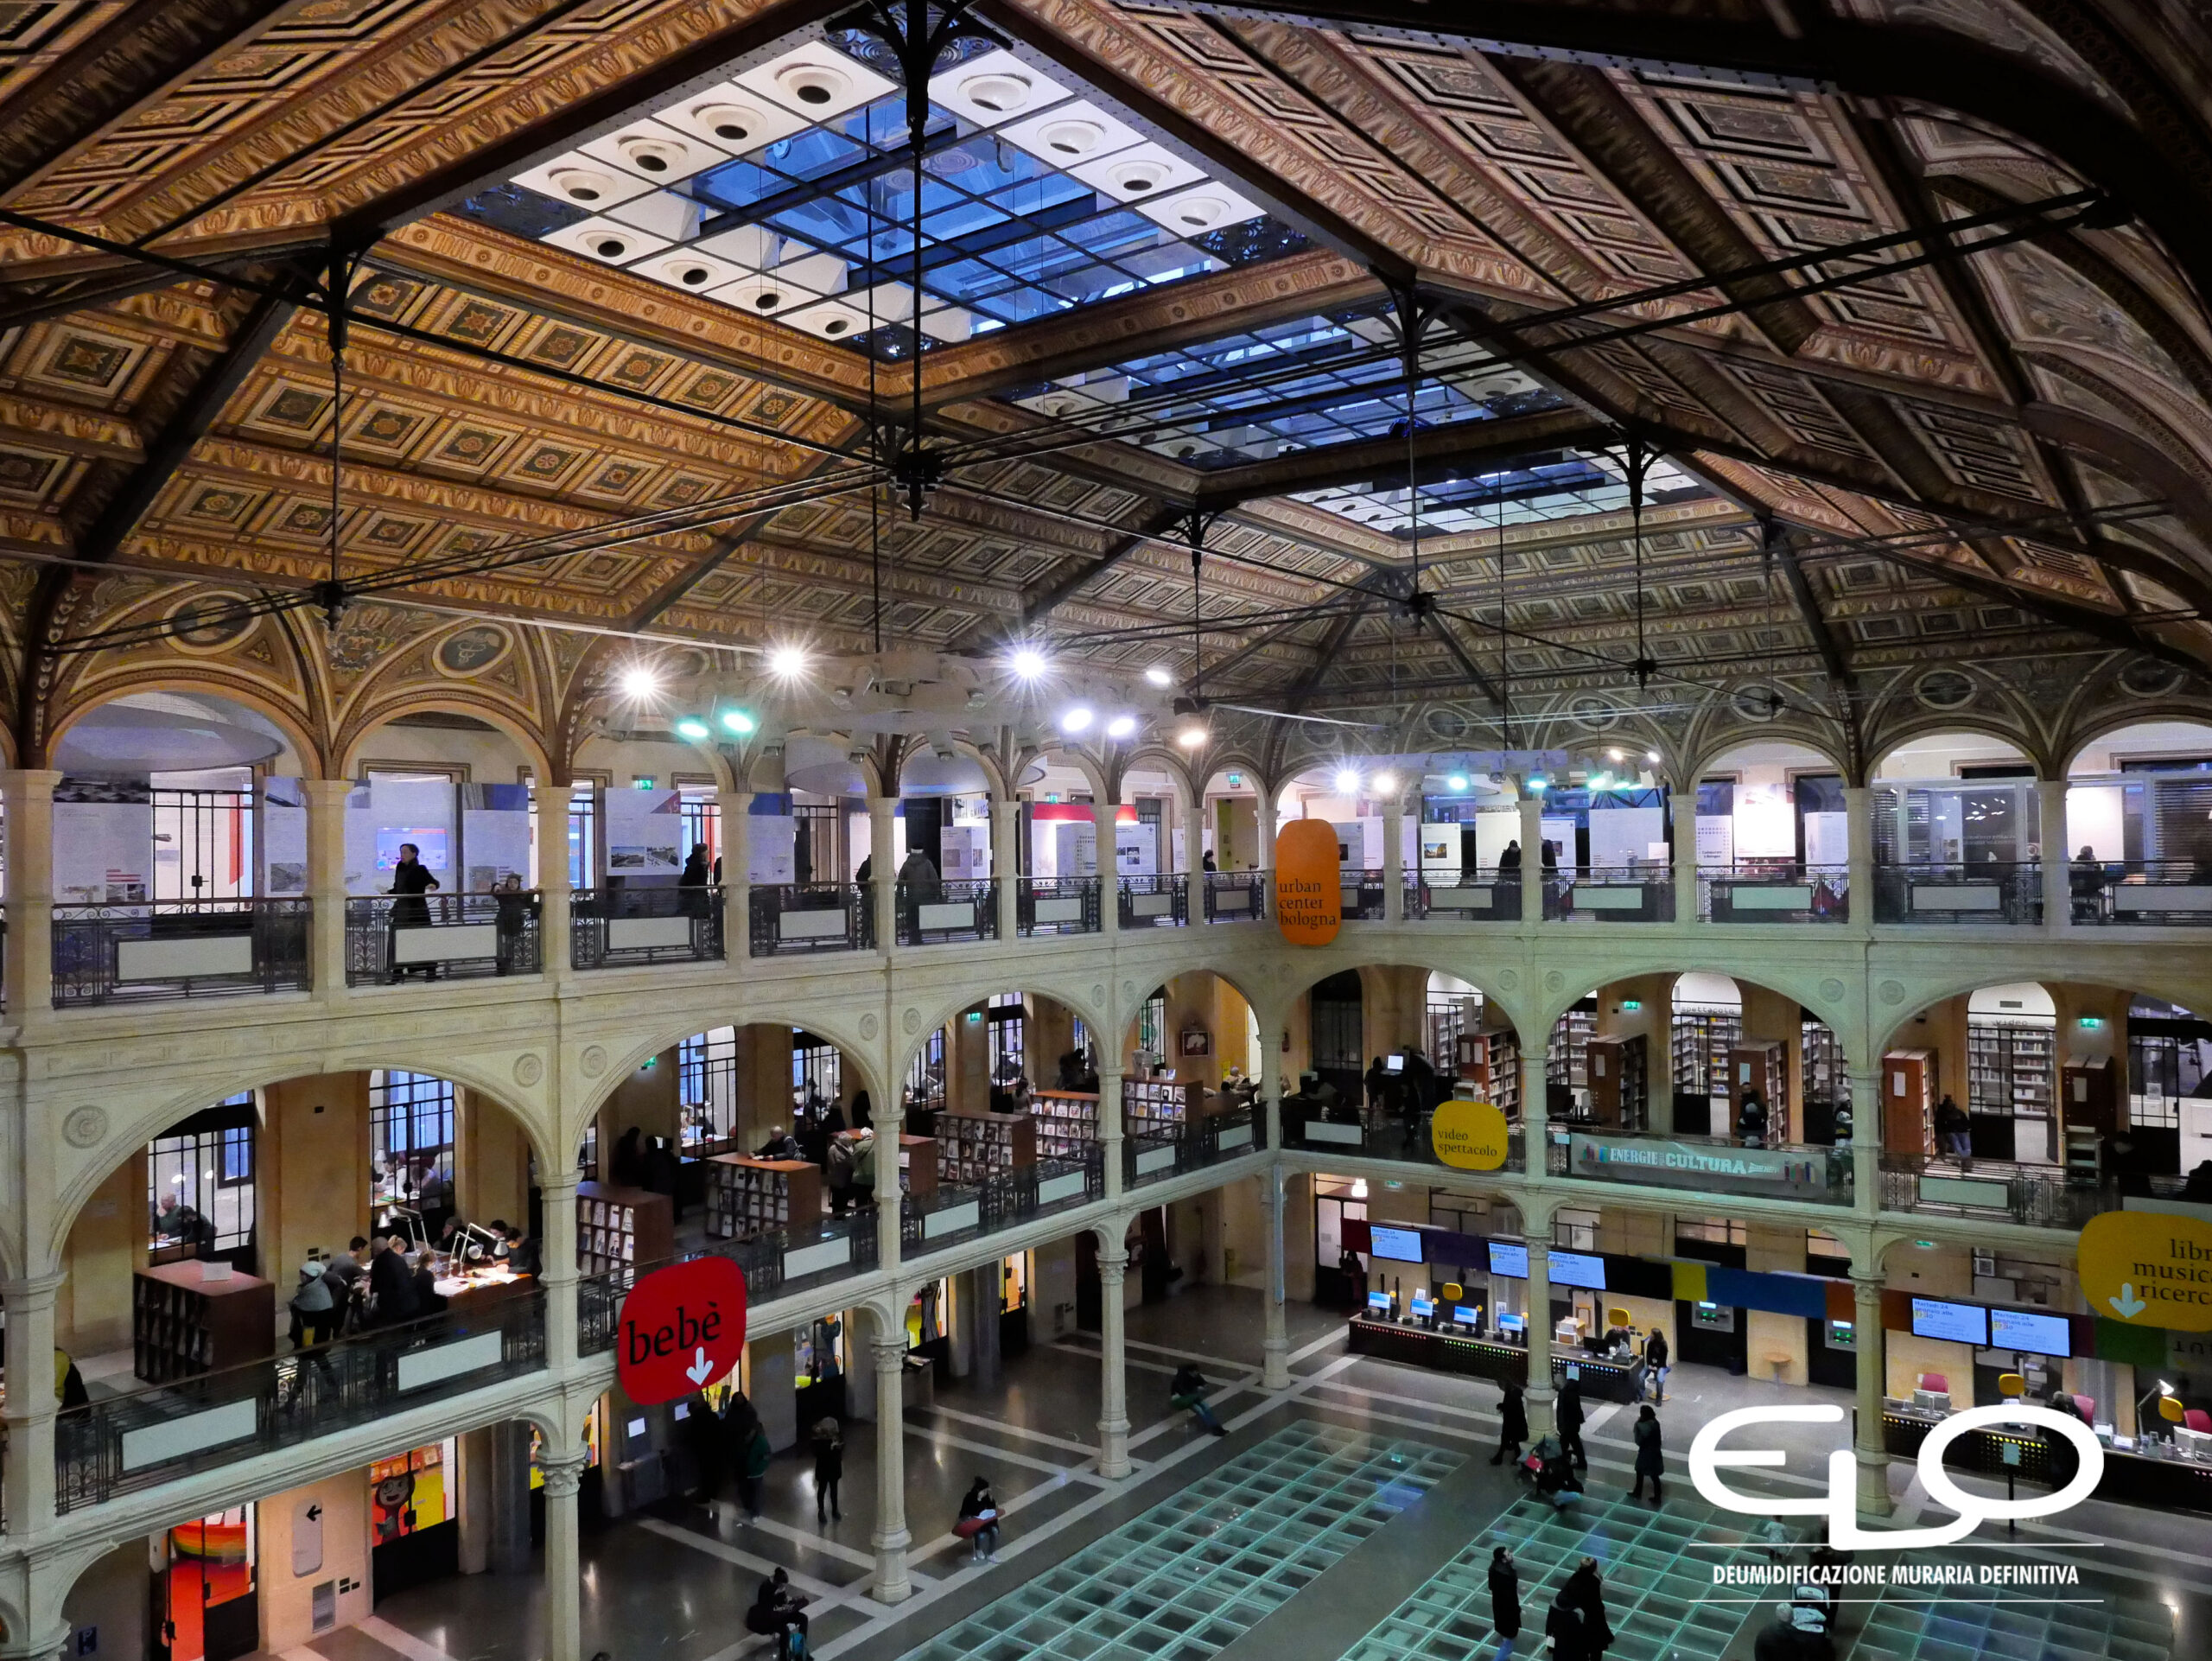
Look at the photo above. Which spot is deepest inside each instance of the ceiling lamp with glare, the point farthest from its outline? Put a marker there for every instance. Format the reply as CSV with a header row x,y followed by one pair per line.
x,y
1457,781
1347,782
1077,719
739,721
1386,783
640,683
1652,756
1613,755
1029,662
1538,784
1160,675
1121,727
787,661
692,728
1191,738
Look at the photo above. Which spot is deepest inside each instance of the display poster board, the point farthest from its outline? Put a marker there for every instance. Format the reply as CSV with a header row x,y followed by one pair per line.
x,y
103,842
495,835
645,832
283,836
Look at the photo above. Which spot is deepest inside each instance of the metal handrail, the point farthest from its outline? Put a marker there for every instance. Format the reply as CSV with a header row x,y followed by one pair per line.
x,y
1161,901
1773,891
1002,1200
1222,887
1056,904
791,918
775,1262
165,949
1646,893
1987,893
2140,894
923,910
388,937
613,928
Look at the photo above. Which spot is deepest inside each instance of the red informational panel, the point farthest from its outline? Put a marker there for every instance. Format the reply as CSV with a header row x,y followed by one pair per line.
x,y
682,1328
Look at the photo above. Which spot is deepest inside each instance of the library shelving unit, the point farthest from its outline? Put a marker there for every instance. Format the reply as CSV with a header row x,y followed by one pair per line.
x,y
747,1196
1761,1064
971,1145
1067,1121
2011,1068
2091,1085
1825,1076
1908,1101
1702,1038
1490,1061
620,1228
1619,1071
1160,1104
917,1163
184,1324
1570,1039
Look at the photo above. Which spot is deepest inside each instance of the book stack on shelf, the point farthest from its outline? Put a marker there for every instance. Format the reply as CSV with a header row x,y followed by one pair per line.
x,y
1826,1078
1159,1103
1490,1061
747,1196
1570,1042
1619,1074
1067,1121
972,1146
917,1163
620,1228
183,1323
2010,1069
1702,1038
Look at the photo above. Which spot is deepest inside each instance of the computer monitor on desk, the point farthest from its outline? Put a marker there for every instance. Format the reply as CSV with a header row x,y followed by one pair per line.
x,y
1423,1307
1513,1326
2197,1444
1468,1315
1932,1401
1378,1303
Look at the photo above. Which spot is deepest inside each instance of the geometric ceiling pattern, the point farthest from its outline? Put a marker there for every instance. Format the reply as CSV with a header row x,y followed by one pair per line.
x,y
1904,307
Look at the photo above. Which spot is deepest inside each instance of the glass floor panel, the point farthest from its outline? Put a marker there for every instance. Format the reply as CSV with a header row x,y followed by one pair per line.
x,y
1657,1565
2129,1624
1207,1564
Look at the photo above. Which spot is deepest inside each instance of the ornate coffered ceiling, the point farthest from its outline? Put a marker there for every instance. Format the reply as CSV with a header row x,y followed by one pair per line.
x,y
1615,213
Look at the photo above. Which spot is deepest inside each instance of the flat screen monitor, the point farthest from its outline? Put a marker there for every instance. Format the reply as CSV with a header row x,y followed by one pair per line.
x,y
1423,1307
1399,1245
1582,1269
1512,1323
1463,1315
1379,1303
1958,1323
1394,1063
1508,1259
2037,1334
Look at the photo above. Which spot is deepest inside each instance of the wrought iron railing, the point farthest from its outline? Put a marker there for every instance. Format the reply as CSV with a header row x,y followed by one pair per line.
x,y
1471,897
1235,896
932,913
1769,892
613,928
179,949
1162,901
1345,1128
789,918
390,939
160,1432
2159,894
1188,1145
2040,1196
1611,894
1816,1173
1056,904
1990,893
1003,1200
1364,894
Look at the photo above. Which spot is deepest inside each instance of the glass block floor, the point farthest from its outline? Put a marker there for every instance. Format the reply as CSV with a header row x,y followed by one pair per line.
x,y
1203,1568
1656,1564
2128,1626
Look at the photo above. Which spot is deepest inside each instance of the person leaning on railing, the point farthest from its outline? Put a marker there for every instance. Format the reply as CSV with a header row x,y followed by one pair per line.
x,y
410,880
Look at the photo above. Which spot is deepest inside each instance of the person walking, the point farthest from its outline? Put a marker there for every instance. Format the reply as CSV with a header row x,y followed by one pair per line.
x,y
1650,1462
1563,1625
1513,1425
753,1468
1504,1602
315,1311
1656,1365
1955,1131
1567,1416
979,1523
1587,1592
828,1469
1188,1388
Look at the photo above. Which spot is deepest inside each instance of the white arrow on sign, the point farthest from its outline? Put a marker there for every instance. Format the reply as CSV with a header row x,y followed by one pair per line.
x,y
2127,1303
701,1369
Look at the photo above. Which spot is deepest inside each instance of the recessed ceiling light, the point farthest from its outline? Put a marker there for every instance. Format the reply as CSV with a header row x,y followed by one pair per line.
x,y
1159,675
732,123
1001,94
1073,138
813,84
610,247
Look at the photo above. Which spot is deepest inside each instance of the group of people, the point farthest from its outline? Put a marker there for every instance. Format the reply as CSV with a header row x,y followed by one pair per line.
x,y
1576,1623
1555,1462
387,1281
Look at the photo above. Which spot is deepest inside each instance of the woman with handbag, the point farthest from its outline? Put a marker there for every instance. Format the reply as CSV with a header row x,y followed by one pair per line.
x,y
979,1523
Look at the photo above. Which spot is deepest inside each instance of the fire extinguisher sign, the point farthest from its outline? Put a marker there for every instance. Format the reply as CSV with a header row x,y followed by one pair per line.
x,y
681,1328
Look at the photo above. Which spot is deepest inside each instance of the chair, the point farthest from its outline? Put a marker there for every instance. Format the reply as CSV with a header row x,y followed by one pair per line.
x,y
2171,1410
1935,1381
2087,1404
2196,1418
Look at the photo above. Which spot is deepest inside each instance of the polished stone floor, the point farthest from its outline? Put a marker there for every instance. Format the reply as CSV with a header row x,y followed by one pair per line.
x,y
1388,1559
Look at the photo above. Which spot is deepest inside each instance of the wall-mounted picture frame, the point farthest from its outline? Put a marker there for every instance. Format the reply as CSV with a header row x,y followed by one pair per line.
x,y
1196,1041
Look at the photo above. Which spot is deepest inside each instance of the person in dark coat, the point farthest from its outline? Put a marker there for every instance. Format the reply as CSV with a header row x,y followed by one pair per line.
x,y
1588,1592
828,1469
1650,1462
863,1111
410,879
1513,1426
777,1611
1954,1130
428,1301
1504,1602
625,1168
1563,1625
703,1433
1656,1363
1567,1416
391,1283
1422,1093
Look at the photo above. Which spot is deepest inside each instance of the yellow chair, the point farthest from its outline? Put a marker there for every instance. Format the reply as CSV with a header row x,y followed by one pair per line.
x,y
1618,1318
1452,1292
2010,1384
2170,1409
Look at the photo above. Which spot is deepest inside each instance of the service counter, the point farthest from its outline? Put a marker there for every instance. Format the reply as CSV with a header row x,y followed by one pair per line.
x,y
2159,1476
1486,1358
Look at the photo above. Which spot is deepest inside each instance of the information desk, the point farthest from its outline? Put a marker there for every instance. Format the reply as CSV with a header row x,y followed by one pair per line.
x,y
1484,1358
2164,1481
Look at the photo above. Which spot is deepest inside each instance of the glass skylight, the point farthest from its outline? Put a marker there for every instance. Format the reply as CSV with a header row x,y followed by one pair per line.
x,y
789,192
1286,387
1555,486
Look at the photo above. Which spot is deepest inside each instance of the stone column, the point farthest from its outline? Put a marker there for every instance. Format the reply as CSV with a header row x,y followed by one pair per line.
x,y
889,1583
883,869
325,800
890,1198
26,1481
734,809
1271,1085
1266,817
1393,861
1110,1123
1532,858
1113,1362
1866,1440
557,1251
1685,852
550,803
564,1475
1536,1115
1866,1113
1110,875
1005,864
2050,838
1274,1346
1858,843
1540,1393
27,796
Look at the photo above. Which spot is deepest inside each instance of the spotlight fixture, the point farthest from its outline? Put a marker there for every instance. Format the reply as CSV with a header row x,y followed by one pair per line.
x,y
1457,781
1077,719
640,683
787,661
1029,662
1159,675
1538,784
1347,782
1652,756
693,729
1121,727
740,722
1386,783
1612,756
1191,738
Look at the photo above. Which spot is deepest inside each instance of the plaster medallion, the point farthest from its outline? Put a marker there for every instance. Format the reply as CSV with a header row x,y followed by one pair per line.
x,y
528,1070
85,1127
869,1026
1892,992
593,1061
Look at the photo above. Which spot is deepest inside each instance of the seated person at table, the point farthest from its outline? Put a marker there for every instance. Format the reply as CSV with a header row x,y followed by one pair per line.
x,y
523,1255
779,1145
174,1220
452,1238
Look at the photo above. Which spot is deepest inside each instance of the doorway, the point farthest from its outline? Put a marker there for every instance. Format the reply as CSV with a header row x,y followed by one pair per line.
x,y
1337,1032
207,1607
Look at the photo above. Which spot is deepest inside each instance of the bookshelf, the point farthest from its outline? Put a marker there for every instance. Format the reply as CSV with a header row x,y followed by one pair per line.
x,y
2011,1068
1564,1055
184,1324
1825,1076
747,1196
1619,1071
1158,1104
1702,1041
1761,1064
621,1228
2092,1098
1067,1121
1908,1101
1490,1061
971,1146
917,1163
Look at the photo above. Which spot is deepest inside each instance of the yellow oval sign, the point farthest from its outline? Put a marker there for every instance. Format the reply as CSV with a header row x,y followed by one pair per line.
x,y
1309,883
1469,1135
2148,1269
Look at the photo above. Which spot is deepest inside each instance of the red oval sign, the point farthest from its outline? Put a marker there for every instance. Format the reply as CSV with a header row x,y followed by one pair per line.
x,y
682,1328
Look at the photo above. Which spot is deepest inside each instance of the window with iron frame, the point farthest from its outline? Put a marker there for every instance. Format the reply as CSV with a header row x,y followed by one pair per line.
x,y
410,1142
706,1092
207,1163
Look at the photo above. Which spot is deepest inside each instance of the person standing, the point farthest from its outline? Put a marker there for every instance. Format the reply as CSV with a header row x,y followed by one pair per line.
x,y
1650,1461
1655,1365
1504,1602
1513,1425
1954,1131
410,880
829,1470
1567,1416
1588,1592
1563,1625
313,1309
753,1471
391,1283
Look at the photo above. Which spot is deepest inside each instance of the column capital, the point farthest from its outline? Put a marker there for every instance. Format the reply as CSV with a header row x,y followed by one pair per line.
x,y
890,1350
32,1291
564,1471
1869,1283
1113,1268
